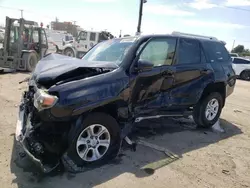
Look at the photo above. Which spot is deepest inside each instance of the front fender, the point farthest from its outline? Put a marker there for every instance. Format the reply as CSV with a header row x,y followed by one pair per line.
x,y
85,95
68,46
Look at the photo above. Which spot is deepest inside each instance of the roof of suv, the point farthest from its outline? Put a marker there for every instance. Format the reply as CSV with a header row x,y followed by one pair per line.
x,y
178,34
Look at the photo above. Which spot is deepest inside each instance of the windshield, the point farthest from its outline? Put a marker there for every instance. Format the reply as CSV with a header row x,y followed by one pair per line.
x,y
110,50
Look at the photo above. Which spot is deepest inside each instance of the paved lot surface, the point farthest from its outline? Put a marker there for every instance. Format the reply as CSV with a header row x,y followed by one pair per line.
x,y
207,158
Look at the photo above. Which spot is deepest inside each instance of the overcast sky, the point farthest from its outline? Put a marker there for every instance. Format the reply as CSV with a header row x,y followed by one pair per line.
x,y
206,17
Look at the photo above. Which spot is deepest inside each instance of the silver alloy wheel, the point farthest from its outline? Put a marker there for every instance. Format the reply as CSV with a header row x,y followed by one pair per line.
x,y
212,109
93,142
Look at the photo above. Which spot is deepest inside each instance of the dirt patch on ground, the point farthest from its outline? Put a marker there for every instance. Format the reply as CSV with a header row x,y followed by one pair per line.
x,y
207,158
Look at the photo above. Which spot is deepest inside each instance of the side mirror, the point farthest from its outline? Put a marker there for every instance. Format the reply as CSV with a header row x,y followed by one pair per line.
x,y
144,65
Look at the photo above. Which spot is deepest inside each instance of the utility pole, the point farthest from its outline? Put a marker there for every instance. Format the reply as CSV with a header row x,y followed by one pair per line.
x,y
120,34
21,13
138,32
233,46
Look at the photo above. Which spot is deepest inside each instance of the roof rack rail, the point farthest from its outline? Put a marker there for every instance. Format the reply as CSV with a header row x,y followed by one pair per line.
x,y
177,33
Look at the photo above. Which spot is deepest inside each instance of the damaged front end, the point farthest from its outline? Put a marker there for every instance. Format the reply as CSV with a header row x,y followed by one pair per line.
x,y
45,113
39,139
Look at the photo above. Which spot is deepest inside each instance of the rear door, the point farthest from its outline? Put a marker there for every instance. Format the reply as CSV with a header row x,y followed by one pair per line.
x,y
189,72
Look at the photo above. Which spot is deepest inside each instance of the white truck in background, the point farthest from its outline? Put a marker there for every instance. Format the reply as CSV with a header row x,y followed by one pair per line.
x,y
57,40
64,43
84,42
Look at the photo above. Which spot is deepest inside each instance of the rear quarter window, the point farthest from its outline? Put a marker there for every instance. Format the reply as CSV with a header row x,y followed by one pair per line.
x,y
216,51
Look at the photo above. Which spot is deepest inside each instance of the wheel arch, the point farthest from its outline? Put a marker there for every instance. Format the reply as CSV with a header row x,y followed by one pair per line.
x,y
244,70
69,47
117,109
28,51
219,87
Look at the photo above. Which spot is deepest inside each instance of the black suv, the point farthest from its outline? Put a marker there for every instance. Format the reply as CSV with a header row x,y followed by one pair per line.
x,y
81,109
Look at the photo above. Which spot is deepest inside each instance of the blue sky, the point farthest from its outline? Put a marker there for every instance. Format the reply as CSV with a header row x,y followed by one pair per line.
x,y
206,17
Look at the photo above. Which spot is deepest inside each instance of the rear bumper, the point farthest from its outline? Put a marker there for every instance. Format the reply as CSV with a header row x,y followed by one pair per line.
x,y
230,86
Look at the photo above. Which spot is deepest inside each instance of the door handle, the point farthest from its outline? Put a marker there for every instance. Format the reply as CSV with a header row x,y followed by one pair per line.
x,y
167,73
204,71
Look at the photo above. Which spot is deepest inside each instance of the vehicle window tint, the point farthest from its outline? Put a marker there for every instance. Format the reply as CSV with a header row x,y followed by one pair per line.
x,y
189,51
83,35
216,51
159,51
92,36
35,36
236,61
240,61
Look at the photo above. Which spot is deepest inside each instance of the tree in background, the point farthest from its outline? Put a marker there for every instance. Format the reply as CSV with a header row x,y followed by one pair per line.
x,y
240,49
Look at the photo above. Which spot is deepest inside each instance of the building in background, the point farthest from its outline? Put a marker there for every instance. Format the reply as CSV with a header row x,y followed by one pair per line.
x,y
69,27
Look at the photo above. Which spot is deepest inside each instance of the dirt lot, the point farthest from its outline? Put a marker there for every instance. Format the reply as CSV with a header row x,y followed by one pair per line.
x,y
207,158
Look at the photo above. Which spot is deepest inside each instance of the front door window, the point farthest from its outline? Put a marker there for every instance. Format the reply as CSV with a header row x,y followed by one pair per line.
x,y
159,51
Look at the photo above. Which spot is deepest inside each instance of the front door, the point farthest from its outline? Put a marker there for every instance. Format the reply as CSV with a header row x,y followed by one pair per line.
x,y
146,97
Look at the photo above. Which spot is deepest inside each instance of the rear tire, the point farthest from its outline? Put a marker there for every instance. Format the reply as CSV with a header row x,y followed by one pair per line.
x,y
84,144
31,61
245,75
207,112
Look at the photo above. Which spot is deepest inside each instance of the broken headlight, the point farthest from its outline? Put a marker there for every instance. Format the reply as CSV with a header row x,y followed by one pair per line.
x,y
43,100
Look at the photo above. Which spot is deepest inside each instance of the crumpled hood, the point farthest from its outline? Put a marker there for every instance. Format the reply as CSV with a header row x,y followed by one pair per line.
x,y
54,65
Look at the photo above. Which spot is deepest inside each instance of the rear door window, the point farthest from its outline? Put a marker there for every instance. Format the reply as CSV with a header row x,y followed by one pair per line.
x,y
189,51
216,51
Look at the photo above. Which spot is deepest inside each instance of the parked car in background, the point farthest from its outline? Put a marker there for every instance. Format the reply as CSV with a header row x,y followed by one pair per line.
x,y
241,67
79,110
234,55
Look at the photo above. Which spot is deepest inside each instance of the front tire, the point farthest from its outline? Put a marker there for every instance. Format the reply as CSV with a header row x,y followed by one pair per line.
x,y
69,52
31,61
96,141
207,112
